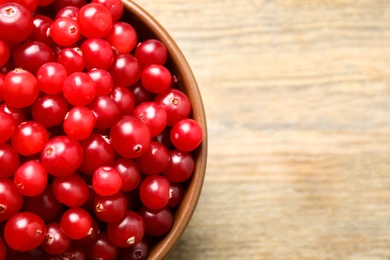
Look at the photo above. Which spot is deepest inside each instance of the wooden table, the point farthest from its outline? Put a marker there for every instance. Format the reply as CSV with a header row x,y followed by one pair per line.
x,y
297,96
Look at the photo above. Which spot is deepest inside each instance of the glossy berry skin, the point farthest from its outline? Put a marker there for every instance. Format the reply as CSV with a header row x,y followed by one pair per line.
x,y
110,208
140,93
7,126
153,115
102,248
186,135
65,31
156,78
128,170
79,89
128,231
31,55
56,242
16,22
177,193
17,114
72,59
19,88
155,160
4,53
70,190
95,20
50,77
139,251
180,167
76,223
115,7
97,152
68,11
157,222
124,99
49,110
151,52
97,53
125,70
176,104
130,137
30,178
122,37
106,181
9,160
106,111
11,201
91,237
103,81
154,191
24,231
62,156
45,205
29,138
41,29
79,122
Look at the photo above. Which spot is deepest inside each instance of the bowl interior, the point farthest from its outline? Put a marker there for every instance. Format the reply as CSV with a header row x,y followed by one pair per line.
x,y
147,28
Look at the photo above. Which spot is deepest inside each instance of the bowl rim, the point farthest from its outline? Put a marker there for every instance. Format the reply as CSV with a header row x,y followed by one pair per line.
x,y
187,207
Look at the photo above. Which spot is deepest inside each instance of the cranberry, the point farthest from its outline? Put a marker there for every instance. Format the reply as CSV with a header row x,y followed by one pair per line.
x,y
97,54
106,181
157,222
91,237
79,89
49,110
69,12
128,231
110,208
9,160
70,190
72,59
155,192
79,122
155,160
115,7
95,20
186,135
122,36
138,251
156,78
177,193
76,223
102,248
17,114
151,52
65,31
153,115
56,242
50,77
180,167
30,178
125,70
103,81
41,29
7,126
106,111
15,21
4,53
11,199
129,173
124,98
32,54
29,138
24,231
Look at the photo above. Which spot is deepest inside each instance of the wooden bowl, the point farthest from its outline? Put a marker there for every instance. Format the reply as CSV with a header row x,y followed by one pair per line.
x,y
147,27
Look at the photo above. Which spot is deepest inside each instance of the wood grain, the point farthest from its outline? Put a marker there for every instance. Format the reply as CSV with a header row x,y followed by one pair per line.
x,y
297,96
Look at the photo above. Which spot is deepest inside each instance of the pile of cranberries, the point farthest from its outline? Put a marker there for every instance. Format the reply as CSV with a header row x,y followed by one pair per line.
x,y
96,140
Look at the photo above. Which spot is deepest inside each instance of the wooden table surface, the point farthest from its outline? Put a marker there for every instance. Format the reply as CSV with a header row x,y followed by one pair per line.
x,y
297,97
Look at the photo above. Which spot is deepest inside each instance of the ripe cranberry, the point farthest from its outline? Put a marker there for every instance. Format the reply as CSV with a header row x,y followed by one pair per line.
x,y
49,110
91,237
130,137
180,167
68,11
156,78
65,31
18,114
30,178
140,93
125,70
124,98
4,53
115,7
9,160
122,36
106,111
97,53
29,138
50,77
106,181
129,173
16,22
70,190
128,231
97,152
41,29
79,122
44,205
62,156
177,193
76,223
56,242
153,115
139,251
102,248
157,222
11,201
19,88
31,55
186,135
79,89
72,59
7,126
95,20
154,191
151,52
73,253
24,231
103,81
155,160
110,208
30,5
176,104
